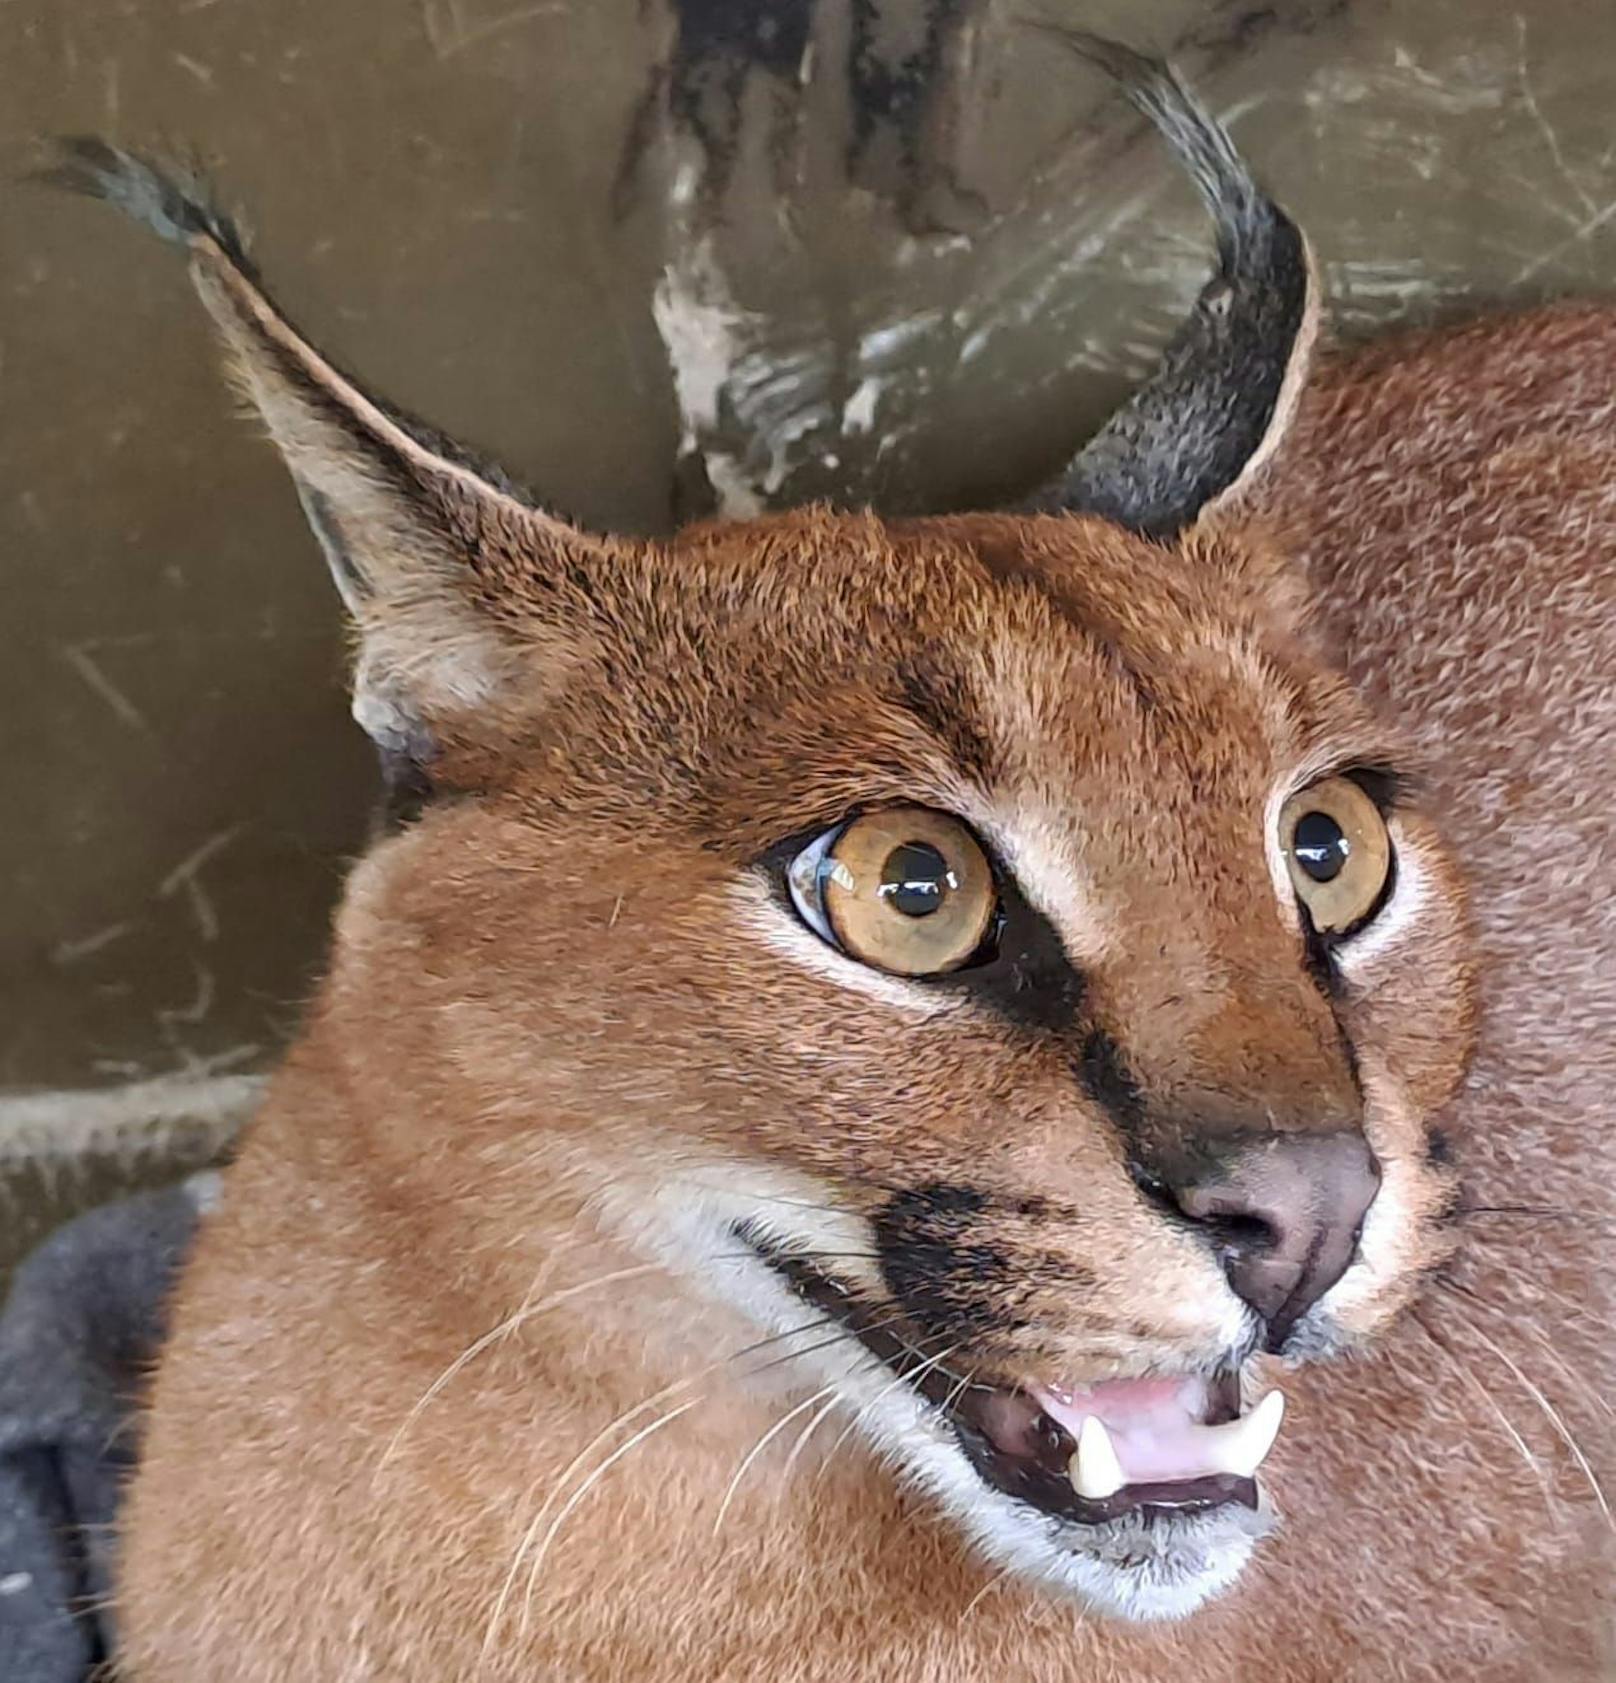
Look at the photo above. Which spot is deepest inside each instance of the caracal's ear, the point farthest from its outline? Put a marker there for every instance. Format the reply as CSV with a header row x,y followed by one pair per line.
x,y
456,583
1215,410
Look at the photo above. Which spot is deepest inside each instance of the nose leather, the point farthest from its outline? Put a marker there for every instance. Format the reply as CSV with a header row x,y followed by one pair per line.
x,y
1283,1212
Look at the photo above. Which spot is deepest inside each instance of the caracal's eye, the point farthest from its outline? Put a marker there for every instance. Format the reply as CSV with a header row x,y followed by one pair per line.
x,y
1339,853
905,889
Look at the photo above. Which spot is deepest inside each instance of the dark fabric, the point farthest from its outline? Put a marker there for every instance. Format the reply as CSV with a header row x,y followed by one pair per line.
x,y
83,1318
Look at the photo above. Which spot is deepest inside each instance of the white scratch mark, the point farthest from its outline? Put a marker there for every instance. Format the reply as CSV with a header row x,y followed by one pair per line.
x,y
1528,93
434,33
196,859
1465,82
1401,279
459,35
70,952
201,1003
976,341
704,330
719,350
194,67
498,26
232,1057
1232,114
207,919
77,655
885,343
858,413
1583,231
187,876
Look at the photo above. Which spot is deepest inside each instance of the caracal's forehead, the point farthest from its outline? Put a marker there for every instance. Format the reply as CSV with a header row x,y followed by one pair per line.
x,y
795,666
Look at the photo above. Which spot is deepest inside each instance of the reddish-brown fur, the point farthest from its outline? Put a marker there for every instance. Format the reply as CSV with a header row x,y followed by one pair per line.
x,y
547,1007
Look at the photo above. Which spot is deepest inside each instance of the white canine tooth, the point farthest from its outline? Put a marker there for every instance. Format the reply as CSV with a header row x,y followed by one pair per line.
x,y
1094,1470
1242,1445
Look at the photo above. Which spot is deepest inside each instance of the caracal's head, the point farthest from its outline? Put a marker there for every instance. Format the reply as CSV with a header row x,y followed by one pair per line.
x,y
1001,938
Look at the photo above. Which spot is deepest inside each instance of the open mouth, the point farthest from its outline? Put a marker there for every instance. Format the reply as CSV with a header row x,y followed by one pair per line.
x,y
1123,1446
1151,1448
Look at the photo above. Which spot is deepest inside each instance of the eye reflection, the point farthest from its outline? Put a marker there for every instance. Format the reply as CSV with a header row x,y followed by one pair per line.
x,y
1321,846
915,879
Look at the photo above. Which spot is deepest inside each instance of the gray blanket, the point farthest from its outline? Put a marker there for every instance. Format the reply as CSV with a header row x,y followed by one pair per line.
x,y
78,1331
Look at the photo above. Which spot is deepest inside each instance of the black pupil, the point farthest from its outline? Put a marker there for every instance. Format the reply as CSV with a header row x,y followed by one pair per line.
x,y
1320,846
915,879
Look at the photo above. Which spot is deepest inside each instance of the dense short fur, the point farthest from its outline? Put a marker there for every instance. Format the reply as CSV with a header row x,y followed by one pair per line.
x,y
472,1374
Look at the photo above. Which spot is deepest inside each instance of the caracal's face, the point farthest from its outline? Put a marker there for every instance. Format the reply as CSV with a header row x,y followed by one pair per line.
x,y
1005,939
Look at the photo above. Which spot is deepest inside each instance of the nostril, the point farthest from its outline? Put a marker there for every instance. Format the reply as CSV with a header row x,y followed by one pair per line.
x,y
1230,1210
1245,1232
1282,1212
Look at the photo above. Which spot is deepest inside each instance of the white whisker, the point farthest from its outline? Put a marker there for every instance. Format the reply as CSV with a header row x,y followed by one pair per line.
x,y
802,1440
758,1448
1552,1415
526,1312
1542,1345
959,1390
532,1531
992,1584
1492,1402
1601,1403
582,1491
601,1437
874,1402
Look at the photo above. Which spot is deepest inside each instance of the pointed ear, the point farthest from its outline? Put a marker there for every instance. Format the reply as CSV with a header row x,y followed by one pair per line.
x,y
1217,407
445,568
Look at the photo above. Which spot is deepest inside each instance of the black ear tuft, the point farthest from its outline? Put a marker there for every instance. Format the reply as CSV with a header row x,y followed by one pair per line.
x,y
1221,398
174,203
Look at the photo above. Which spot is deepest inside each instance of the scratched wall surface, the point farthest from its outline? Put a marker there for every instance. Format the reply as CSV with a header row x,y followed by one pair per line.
x,y
656,257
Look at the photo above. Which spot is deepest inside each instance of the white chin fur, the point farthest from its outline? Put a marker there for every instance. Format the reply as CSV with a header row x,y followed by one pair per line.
x,y
1123,1570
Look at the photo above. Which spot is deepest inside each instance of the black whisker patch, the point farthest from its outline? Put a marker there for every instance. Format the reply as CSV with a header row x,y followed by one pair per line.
x,y
949,1279
940,1198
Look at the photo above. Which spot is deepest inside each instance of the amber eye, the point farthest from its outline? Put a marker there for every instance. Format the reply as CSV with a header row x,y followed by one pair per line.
x,y
1339,853
905,889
